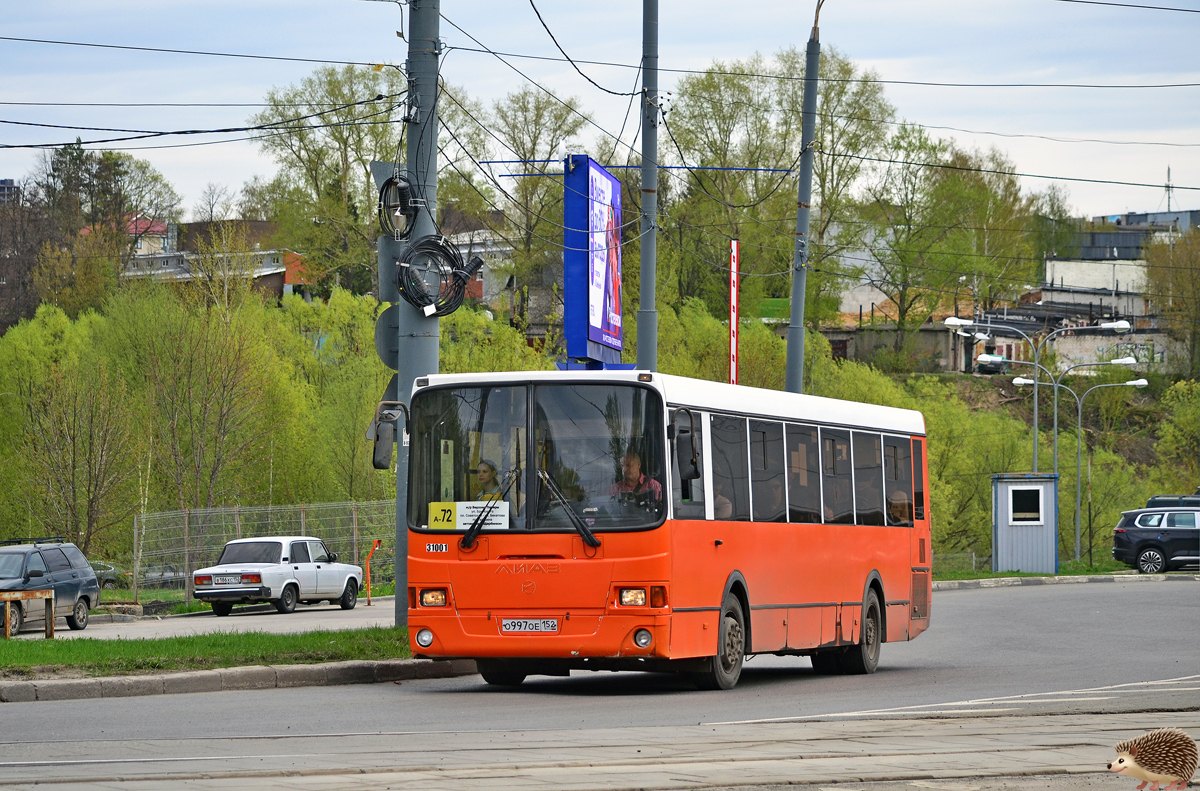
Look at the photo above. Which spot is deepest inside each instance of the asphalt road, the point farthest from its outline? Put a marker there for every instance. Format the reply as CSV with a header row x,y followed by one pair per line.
x,y
1039,649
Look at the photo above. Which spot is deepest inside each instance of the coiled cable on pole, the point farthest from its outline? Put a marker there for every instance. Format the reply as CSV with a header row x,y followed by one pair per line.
x,y
397,211
430,255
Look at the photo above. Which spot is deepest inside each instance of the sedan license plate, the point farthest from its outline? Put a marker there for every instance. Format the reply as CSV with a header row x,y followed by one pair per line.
x,y
228,579
528,625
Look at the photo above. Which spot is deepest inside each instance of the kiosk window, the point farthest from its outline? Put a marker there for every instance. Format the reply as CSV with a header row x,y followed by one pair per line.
x,y
1026,504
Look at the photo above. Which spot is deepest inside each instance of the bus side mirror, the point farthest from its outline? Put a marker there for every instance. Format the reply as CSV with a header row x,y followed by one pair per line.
x,y
385,437
387,416
685,456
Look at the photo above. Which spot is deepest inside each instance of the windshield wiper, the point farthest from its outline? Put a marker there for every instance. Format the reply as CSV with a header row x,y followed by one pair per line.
x,y
468,539
589,537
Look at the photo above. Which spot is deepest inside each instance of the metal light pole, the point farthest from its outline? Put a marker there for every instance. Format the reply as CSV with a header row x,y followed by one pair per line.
x,y
1117,326
647,329
418,334
1079,399
794,376
1056,383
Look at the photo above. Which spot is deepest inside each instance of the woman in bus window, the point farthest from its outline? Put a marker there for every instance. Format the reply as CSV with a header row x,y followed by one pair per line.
x,y
489,486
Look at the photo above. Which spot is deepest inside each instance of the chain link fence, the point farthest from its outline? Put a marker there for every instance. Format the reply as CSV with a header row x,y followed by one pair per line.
x,y
961,561
170,545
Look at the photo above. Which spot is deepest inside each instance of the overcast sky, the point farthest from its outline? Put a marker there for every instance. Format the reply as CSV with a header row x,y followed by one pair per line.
x,y
989,41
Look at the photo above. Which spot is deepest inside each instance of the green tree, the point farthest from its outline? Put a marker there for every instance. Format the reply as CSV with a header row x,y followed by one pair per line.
x,y
80,446
913,212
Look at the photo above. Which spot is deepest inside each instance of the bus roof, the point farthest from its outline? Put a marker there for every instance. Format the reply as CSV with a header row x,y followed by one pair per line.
x,y
737,399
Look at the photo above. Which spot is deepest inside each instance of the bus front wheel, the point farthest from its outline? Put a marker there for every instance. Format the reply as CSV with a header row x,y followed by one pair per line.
x,y
725,668
499,673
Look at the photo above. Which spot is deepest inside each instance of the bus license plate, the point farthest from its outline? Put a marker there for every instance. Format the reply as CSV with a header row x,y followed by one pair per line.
x,y
228,580
529,624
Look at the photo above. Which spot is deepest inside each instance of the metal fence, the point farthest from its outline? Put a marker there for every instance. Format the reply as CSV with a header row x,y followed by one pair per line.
x,y
170,545
961,561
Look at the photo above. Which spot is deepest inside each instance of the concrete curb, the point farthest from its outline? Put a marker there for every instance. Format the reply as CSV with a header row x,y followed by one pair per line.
x,y
235,678
1009,582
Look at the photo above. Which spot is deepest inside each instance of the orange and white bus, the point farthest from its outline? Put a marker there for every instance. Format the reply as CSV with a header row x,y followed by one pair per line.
x,y
625,520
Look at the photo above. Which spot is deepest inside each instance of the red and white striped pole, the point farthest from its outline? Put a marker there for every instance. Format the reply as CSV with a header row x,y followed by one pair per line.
x,y
733,311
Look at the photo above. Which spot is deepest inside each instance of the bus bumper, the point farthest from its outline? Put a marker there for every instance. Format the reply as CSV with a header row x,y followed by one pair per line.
x,y
579,635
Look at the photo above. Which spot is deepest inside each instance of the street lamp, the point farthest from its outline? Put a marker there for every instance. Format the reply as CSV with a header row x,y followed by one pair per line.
x,y
1120,325
1079,399
1057,382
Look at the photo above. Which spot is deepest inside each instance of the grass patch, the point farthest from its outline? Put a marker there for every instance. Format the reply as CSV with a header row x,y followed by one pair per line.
x,y
380,589
1066,568
199,652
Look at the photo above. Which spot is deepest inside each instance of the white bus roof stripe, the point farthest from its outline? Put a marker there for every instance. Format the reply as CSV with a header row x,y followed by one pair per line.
x,y
720,397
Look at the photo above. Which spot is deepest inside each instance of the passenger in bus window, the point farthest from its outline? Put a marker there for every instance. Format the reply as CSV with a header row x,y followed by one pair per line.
x,y
769,504
489,485
899,509
633,481
723,502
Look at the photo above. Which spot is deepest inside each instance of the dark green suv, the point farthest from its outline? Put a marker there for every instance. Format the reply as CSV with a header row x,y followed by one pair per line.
x,y
48,564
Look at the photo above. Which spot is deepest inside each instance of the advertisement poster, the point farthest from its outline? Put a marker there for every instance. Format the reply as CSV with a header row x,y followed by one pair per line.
x,y
604,257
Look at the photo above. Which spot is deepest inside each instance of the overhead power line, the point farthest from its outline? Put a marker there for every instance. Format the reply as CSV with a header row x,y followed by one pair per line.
x,y
921,83
484,50
1133,5
139,134
183,51
1004,172
148,104
574,65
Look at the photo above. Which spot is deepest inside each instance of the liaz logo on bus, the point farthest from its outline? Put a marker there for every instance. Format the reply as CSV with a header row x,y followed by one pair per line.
x,y
527,568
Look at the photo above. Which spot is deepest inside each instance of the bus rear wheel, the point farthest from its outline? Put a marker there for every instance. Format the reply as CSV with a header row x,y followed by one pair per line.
x,y
864,658
725,668
499,673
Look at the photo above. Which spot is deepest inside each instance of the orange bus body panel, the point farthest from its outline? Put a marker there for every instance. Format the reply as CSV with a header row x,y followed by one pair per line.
x,y
805,584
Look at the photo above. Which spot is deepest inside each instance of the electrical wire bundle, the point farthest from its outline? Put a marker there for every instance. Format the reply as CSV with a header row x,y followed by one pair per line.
x,y
396,203
441,257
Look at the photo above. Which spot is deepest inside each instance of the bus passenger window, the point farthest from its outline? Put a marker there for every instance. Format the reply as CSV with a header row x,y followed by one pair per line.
x,y
731,479
766,471
836,475
804,474
897,480
918,479
688,495
868,479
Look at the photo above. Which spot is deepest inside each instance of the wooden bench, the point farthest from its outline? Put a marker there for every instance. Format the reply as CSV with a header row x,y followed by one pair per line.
x,y
8,597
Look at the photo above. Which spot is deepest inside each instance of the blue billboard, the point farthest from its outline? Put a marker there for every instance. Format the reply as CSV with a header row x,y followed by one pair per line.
x,y
591,263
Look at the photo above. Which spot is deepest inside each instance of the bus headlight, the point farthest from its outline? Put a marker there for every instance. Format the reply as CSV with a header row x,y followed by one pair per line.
x,y
633,597
435,597
424,638
642,638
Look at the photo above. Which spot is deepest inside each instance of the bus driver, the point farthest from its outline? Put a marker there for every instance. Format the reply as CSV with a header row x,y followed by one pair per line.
x,y
634,482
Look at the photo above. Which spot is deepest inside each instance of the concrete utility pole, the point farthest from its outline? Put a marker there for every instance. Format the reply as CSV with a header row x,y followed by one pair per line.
x,y
794,382
647,330
418,335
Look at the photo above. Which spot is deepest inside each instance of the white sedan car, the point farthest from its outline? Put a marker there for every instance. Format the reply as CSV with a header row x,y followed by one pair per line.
x,y
282,570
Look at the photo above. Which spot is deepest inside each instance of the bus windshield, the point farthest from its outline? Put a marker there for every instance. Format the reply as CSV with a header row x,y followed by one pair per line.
x,y
600,446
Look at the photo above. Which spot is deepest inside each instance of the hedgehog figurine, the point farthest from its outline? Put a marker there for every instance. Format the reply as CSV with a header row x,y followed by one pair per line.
x,y
1167,755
